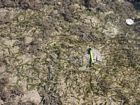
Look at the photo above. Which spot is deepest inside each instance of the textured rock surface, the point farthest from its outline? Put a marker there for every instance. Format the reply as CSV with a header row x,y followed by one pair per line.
x,y
42,47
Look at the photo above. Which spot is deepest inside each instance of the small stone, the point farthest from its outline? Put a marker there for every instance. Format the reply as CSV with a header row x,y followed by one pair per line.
x,y
2,68
76,6
3,13
55,11
129,21
83,68
8,42
87,21
13,80
23,85
97,55
1,102
21,18
4,18
59,3
28,40
25,58
15,49
32,96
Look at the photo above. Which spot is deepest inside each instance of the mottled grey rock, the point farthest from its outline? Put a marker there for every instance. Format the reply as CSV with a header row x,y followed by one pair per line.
x,y
31,96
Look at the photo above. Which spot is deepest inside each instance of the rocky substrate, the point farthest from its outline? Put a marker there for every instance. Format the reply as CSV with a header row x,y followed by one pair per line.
x,y
44,59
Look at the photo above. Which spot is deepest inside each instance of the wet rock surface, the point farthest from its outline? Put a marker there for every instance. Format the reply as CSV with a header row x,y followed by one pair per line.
x,y
42,52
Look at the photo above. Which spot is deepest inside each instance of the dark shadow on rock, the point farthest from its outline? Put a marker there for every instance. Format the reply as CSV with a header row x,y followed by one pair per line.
x,y
23,4
136,4
89,4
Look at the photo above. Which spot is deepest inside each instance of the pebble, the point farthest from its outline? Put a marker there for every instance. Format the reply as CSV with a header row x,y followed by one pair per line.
x,y
129,21
32,96
28,40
